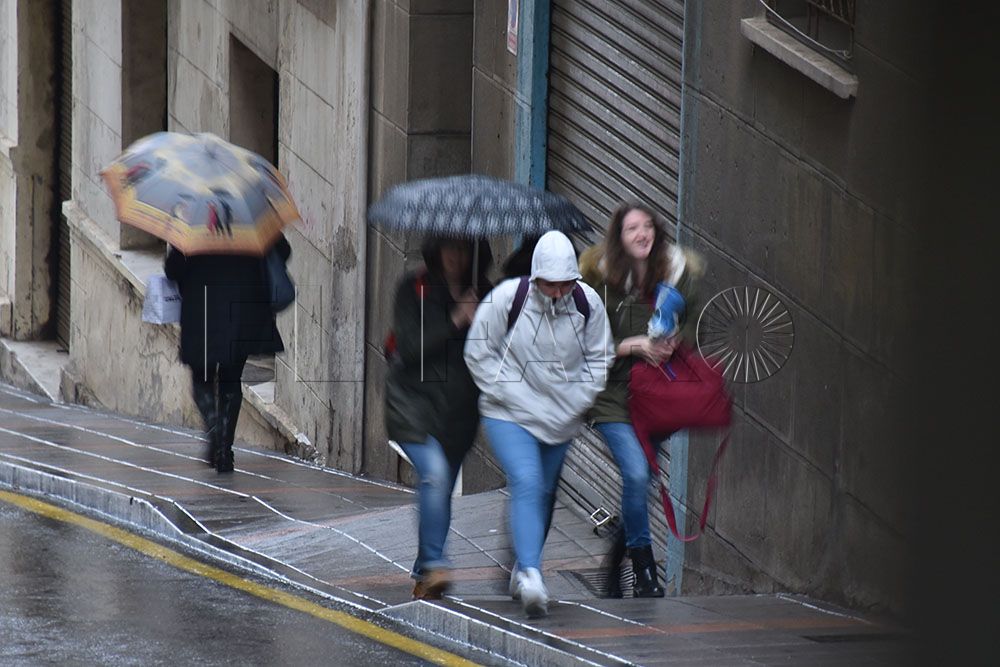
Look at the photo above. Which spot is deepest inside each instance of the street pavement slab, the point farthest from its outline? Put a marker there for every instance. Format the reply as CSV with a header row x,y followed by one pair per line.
x,y
354,539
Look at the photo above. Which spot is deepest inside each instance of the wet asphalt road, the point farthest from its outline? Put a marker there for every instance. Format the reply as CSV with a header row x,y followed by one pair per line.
x,y
69,596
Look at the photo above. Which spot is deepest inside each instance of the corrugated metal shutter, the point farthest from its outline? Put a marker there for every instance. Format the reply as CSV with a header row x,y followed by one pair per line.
x,y
614,103
614,134
65,191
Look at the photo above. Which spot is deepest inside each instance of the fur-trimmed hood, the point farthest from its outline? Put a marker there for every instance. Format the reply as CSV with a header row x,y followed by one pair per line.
x,y
685,264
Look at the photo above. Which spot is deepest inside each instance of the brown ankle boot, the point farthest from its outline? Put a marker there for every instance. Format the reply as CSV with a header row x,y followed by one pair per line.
x,y
433,585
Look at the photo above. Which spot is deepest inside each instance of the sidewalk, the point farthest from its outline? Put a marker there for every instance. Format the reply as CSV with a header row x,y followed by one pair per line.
x,y
354,539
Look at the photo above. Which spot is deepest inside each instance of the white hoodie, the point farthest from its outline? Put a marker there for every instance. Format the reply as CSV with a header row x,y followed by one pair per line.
x,y
545,373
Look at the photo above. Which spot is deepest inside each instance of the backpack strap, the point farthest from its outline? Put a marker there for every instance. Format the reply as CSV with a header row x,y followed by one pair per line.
x,y
519,296
582,305
579,299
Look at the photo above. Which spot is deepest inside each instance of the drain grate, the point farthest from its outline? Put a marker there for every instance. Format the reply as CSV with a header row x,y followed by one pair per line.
x,y
595,580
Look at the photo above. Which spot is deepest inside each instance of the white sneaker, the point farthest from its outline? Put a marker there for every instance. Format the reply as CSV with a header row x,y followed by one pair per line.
x,y
534,595
514,588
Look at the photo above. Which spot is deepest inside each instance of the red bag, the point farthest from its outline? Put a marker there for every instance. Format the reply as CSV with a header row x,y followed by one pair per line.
x,y
685,392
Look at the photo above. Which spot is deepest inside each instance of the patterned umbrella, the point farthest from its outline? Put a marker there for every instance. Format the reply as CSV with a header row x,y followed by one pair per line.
x,y
474,206
201,194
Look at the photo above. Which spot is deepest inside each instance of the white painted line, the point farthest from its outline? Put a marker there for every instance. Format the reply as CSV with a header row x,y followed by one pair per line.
x,y
7,389
618,618
789,598
127,464
197,436
160,450
335,530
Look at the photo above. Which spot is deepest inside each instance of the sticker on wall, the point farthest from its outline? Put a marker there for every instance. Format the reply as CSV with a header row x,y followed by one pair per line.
x,y
512,11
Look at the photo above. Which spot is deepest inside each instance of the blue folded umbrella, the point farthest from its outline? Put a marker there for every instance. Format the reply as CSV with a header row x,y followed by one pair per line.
x,y
668,308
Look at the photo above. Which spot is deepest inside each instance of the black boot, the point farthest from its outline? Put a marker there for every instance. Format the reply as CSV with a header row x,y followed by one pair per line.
x,y
647,583
612,565
204,398
229,413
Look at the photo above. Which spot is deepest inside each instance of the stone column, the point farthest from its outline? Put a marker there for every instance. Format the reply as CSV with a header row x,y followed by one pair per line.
x,y
421,122
28,173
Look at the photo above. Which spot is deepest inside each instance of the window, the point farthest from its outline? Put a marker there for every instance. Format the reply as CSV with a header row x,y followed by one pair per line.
x,y
825,25
253,102
144,89
253,124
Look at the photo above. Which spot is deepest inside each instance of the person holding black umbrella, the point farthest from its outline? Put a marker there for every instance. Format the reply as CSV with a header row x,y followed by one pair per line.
x,y
539,349
430,399
474,206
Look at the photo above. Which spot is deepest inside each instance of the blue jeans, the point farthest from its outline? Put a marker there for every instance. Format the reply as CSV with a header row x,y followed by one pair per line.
x,y
631,461
437,479
532,470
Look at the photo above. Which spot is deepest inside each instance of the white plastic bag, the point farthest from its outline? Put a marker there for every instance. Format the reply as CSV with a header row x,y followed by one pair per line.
x,y
163,301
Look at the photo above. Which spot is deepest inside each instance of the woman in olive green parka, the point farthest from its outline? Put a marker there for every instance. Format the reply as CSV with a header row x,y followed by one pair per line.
x,y
625,269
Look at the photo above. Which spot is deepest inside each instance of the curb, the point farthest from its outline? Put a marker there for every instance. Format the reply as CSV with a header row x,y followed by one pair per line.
x,y
471,625
451,621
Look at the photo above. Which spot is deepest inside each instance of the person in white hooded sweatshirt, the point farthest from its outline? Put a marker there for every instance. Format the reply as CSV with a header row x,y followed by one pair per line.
x,y
538,380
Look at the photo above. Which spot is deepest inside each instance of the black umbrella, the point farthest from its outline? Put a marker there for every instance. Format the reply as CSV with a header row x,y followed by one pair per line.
x,y
475,206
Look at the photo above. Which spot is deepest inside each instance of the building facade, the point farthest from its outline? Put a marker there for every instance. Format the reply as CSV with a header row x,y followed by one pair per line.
x,y
699,109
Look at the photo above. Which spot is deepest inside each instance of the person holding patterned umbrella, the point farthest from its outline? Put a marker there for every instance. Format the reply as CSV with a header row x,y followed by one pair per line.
x,y
431,399
221,209
226,316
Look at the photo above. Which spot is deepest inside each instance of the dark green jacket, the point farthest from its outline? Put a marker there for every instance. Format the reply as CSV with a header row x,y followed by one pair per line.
x,y
437,397
628,315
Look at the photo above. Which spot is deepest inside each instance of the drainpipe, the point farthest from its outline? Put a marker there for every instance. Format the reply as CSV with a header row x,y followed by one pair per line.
x,y
679,442
531,99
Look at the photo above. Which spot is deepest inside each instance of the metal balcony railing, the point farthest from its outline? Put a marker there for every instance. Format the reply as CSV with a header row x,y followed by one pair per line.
x,y
824,25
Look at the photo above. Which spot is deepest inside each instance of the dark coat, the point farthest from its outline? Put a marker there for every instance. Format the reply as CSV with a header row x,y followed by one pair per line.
x,y
628,315
239,317
444,401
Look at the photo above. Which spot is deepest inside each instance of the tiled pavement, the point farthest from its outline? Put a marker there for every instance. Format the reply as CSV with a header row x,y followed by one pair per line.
x,y
355,539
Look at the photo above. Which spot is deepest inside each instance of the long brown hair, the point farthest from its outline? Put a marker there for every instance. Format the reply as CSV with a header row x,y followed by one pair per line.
x,y
618,265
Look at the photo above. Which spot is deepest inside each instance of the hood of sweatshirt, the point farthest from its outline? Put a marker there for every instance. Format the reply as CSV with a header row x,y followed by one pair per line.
x,y
554,259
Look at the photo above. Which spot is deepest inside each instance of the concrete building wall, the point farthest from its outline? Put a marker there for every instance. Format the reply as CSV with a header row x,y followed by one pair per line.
x,y
97,106
321,62
7,238
8,69
27,167
116,360
144,87
421,119
786,186
323,137
494,92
